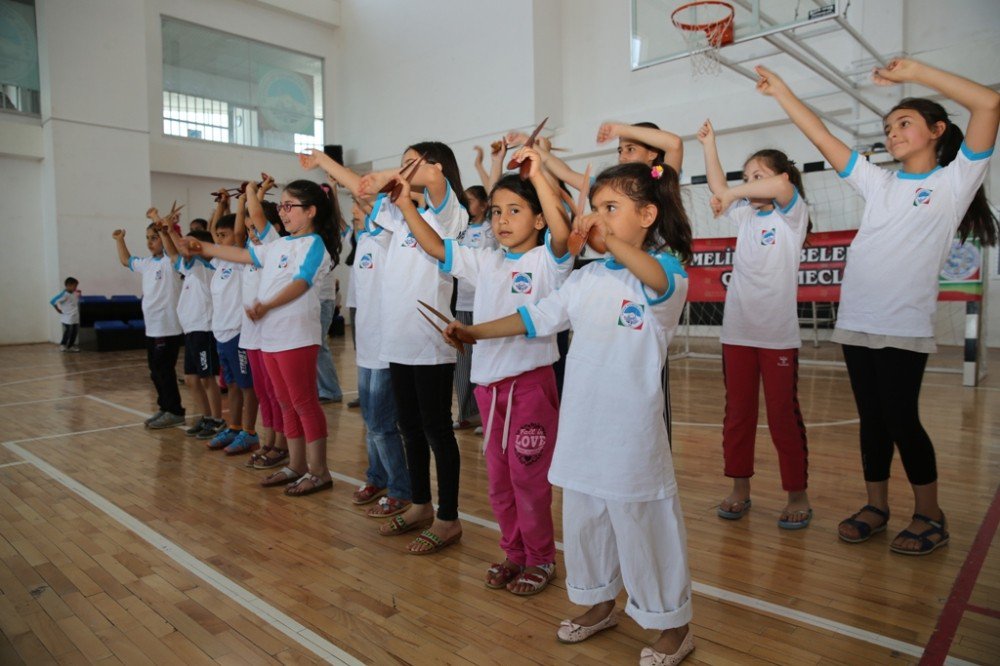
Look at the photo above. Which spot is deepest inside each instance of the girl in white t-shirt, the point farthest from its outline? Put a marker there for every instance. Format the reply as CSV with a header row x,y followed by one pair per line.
x,y
622,521
760,325
890,287
515,381
288,312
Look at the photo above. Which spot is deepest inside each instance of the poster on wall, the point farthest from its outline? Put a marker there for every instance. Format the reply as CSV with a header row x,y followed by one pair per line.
x,y
285,100
18,45
961,277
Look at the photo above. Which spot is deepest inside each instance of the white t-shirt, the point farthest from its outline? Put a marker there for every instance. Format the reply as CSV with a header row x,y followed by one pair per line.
x,y
249,283
69,304
612,440
161,288
367,274
761,306
412,275
890,282
227,299
296,323
194,307
477,237
503,282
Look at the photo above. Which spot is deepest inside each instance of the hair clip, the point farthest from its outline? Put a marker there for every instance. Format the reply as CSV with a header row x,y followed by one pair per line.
x,y
656,172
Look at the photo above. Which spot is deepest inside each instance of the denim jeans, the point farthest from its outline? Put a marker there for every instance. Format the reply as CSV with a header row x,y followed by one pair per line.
x,y
326,380
386,458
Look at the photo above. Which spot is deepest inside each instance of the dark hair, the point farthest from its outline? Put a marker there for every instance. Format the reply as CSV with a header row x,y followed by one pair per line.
x,y
978,221
227,221
438,153
660,154
326,223
671,230
478,192
201,235
69,280
778,162
273,217
523,188
199,221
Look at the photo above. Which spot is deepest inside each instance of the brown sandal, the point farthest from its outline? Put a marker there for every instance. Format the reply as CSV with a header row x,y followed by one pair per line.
x,y
537,578
501,573
271,458
398,525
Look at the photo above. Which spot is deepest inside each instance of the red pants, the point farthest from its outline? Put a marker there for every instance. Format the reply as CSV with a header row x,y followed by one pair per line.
x,y
270,409
743,368
293,376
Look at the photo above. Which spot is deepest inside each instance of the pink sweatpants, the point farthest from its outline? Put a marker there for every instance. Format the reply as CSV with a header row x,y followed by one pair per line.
x,y
526,409
293,376
743,368
270,409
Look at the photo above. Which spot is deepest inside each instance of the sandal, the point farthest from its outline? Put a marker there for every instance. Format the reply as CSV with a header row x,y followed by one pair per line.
x,y
537,578
926,545
789,524
282,477
730,514
501,573
435,542
272,458
368,493
318,484
388,507
259,455
865,531
398,525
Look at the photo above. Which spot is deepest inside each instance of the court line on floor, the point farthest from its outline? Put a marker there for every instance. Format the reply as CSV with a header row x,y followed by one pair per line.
x,y
287,625
35,402
70,374
764,425
710,591
12,464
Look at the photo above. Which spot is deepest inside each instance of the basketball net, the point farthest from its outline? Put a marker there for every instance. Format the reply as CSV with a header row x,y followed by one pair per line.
x,y
706,27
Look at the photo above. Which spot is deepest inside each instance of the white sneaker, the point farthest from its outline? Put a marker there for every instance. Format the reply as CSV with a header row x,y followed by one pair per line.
x,y
478,430
74,348
62,348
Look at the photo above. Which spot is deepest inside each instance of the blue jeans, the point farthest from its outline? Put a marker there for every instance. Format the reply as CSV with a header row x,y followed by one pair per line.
x,y
326,374
386,458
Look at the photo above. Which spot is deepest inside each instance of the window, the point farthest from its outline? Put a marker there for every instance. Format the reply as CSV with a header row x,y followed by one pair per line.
x,y
220,87
19,88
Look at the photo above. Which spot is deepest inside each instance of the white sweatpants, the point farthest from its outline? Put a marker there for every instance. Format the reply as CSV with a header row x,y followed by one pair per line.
x,y
641,546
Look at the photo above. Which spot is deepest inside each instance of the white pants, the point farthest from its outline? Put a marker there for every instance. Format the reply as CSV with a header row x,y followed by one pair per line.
x,y
641,546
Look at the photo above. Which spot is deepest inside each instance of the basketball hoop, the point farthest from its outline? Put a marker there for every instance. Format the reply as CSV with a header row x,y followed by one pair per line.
x,y
707,26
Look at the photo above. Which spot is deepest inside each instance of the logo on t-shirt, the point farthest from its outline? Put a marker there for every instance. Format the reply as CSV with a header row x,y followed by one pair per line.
x,y
158,275
409,241
366,261
923,196
632,315
283,261
767,236
226,273
529,443
520,283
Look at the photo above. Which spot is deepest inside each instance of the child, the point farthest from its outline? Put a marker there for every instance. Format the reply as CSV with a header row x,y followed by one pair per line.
x,y
67,304
889,293
760,325
198,224
516,384
478,235
326,371
288,312
622,522
422,365
160,291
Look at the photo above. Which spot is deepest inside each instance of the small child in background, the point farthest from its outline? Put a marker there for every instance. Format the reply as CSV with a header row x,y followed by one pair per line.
x,y
198,224
67,304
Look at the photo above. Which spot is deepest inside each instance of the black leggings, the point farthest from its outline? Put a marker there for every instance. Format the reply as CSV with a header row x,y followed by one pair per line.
x,y
886,385
423,398
161,356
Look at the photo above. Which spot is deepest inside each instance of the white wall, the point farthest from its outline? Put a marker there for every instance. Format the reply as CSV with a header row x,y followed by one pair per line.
x,y
24,295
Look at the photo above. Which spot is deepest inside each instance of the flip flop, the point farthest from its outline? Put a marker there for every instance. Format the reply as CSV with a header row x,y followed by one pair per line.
x,y
436,542
398,525
317,485
734,515
796,524
282,477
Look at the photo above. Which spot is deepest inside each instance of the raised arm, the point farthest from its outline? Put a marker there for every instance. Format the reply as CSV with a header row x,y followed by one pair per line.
x,y
836,152
560,169
484,176
552,208
982,103
713,167
668,142
238,255
240,225
123,253
776,187
313,158
167,233
423,232
254,209
221,208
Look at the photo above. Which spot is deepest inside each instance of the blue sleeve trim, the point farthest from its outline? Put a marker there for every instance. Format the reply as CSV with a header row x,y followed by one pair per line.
x,y
177,263
310,266
57,297
448,264
850,165
253,257
973,156
528,324
370,217
430,204
671,267
787,209
205,262
131,260
548,246
263,234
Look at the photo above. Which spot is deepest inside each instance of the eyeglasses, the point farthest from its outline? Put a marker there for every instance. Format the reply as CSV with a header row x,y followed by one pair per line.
x,y
287,206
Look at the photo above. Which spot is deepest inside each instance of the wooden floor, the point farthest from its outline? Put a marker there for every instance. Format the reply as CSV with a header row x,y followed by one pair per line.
x,y
122,545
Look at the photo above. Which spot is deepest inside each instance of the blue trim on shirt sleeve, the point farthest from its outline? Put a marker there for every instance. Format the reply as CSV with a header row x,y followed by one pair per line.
x,y
787,209
57,297
975,156
130,260
548,246
430,204
253,257
448,264
671,267
528,324
310,266
205,262
263,234
850,165
370,217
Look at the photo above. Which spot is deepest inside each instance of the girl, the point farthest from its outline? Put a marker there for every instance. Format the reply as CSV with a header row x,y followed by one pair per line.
x,y
479,234
288,312
516,384
422,365
160,291
622,522
890,286
387,479
760,326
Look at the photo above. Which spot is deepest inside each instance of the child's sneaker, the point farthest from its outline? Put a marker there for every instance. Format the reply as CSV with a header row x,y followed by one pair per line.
x,y
152,417
166,420
211,428
244,443
74,349
196,428
62,348
223,439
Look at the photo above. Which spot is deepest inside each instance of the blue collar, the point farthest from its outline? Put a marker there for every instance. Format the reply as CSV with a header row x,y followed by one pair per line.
x,y
916,176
